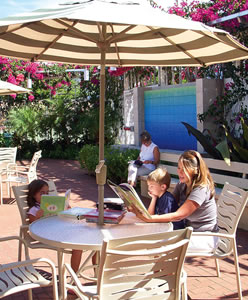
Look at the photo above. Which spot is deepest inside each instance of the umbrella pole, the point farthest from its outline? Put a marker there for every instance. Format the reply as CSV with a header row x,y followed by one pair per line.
x,y
101,169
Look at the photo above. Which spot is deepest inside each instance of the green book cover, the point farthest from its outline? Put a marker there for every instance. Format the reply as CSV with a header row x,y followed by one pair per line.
x,y
52,204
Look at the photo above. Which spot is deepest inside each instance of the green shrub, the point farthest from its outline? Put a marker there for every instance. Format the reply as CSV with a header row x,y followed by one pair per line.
x,y
116,160
6,140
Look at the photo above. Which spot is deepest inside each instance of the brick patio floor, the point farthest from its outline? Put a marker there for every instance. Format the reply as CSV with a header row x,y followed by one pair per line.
x,y
202,280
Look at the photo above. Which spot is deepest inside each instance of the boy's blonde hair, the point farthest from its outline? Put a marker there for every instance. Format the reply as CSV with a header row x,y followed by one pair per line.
x,y
160,176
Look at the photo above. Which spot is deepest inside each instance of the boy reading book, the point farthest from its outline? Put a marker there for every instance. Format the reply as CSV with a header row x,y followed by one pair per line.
x,y
163,202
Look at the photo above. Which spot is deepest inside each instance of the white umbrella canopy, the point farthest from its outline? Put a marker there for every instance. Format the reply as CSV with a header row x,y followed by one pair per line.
x,y
114,33
7,88
131,34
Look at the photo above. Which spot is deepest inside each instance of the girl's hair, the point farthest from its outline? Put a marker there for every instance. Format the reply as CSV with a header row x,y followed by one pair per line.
x,y
160,176
34,187
197,171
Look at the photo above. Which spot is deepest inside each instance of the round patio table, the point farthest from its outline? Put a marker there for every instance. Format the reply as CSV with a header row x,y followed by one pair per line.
x,y
67,233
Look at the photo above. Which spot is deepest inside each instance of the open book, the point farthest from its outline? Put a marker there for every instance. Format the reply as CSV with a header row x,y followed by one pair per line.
x,y
52,204
130,197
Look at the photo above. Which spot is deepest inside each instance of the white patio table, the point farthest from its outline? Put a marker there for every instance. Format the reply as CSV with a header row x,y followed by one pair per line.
x,y
67,233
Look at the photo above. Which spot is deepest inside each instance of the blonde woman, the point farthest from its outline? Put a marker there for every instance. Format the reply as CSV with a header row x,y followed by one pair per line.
x,y
195,195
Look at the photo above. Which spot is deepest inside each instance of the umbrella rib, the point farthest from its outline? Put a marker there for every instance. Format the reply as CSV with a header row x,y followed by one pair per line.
x,y
116,48
179,47
112,38
14,29
54,41
100,31
77,31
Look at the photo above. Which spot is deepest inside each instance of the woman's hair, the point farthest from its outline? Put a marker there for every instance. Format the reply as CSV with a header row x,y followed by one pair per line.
x,y
196,170
160,176
34,187
145,136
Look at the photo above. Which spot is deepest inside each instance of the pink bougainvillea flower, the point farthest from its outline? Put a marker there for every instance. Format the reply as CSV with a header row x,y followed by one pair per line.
x,y
12,79
31,97
53,92
20,77
13,96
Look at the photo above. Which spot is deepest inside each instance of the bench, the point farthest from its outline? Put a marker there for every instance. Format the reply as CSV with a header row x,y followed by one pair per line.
x,y
236,174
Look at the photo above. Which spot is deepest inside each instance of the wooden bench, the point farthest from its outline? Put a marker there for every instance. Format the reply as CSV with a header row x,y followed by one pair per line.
x,y
236,174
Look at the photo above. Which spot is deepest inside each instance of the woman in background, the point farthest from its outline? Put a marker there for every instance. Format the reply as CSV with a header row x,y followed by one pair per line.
x,y
147,160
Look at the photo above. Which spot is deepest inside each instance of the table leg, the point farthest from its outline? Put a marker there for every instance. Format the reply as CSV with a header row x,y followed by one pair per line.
x,y
62,289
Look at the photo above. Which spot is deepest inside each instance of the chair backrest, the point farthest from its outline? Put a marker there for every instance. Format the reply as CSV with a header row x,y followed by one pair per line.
x,y
143,267
7,155
230,207
32,175
21,193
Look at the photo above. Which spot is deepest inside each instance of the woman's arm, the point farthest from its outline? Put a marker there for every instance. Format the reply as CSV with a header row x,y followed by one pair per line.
x,y
156,155
183,212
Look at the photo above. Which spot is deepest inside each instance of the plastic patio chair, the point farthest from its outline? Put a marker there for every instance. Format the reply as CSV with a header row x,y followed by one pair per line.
x,y
20,193
142,267
7,156
22,275
21,174
230,206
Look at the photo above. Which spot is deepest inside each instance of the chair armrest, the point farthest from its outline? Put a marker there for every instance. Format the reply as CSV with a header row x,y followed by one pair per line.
x,y
14,167
218,234
26,263
21,172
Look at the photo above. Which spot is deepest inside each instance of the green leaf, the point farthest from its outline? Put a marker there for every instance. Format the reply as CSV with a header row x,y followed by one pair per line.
x,y
223,148
208,147
245,130
243,153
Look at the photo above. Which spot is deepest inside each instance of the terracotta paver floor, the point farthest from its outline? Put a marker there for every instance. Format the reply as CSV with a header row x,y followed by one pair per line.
x,y
202,280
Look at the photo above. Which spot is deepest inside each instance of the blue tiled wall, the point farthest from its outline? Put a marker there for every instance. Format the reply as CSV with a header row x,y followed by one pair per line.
x,y
165,110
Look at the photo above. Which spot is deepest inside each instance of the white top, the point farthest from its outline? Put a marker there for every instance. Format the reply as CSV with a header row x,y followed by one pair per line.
x,y
68,233
34,209
146,153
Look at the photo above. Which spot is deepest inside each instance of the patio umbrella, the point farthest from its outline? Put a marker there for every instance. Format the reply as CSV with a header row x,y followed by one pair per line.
x,y
7,88
114,33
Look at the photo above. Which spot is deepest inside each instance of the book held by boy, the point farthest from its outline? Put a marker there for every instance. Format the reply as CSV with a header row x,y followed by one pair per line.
x,y
130,197
52,204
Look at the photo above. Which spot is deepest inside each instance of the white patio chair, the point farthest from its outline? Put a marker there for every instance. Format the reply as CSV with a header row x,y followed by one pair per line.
x,y
20,193
7,156
230,206
21,276
142,267
17,174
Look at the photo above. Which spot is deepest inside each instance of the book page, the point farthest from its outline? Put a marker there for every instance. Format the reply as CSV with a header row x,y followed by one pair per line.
x,y
51,205
67,198
128,194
